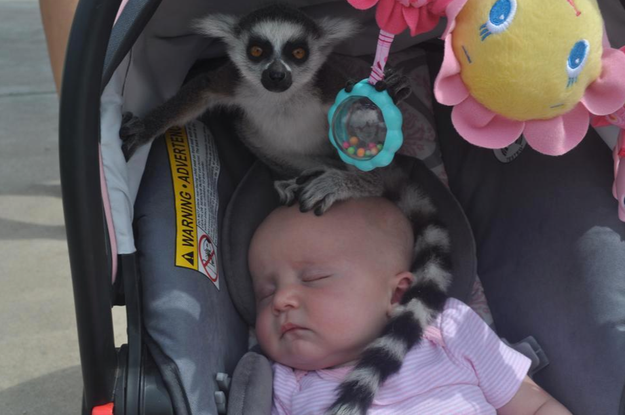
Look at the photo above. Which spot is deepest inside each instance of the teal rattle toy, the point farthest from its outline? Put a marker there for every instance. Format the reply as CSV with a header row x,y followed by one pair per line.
x,y
365,124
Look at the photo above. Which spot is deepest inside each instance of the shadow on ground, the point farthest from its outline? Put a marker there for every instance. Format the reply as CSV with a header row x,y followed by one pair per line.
x,y
45,395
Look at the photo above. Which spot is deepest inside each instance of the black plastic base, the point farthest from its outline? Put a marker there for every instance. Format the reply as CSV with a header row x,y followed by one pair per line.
x,y
152,397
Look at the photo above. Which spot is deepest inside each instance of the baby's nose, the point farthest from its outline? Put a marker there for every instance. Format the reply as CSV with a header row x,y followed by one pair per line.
x,y
286,298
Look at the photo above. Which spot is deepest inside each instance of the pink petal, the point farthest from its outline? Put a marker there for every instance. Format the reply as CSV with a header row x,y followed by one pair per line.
x,y
389,16
419,20
453,9
482,127
599,121
607,93
362,4
558,135
412,15
438,7
449,88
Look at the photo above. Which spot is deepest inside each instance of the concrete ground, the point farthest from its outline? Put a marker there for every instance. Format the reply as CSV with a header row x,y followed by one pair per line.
x,y
39,362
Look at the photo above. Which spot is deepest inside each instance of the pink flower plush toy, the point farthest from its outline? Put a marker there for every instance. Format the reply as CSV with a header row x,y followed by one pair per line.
x,y
532,67
395,16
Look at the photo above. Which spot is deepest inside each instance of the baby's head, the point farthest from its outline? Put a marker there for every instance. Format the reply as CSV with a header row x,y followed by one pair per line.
x,y
326,285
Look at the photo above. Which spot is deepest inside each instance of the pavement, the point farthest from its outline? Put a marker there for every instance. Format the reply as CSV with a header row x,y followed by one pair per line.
x,y
39,361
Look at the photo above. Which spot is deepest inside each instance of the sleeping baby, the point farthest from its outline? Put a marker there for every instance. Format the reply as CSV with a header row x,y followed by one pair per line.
x,y
325,288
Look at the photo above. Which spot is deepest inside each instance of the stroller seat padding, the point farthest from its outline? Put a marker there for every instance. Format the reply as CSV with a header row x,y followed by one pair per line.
x,y
251,389
255,198
190,318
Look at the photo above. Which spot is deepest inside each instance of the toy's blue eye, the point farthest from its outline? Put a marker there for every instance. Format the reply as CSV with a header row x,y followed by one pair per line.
x,y
501,15
577,60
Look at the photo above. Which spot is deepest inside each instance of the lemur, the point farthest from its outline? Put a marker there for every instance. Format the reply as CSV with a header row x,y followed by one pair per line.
x,y
278,76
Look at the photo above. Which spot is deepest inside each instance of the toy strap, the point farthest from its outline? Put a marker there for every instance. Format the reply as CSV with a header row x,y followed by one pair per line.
x,y
385,39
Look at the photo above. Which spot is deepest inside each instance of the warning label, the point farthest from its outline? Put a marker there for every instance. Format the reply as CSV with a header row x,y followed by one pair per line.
x,y
195,168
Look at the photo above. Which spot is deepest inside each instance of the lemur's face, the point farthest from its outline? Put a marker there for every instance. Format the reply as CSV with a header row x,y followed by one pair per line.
x,y
277,48
278,55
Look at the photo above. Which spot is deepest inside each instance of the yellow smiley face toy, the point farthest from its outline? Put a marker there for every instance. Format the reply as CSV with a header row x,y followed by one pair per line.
x,y
539,68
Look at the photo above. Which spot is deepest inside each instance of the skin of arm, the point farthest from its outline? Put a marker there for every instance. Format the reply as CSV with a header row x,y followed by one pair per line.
x,y
57,16
531,399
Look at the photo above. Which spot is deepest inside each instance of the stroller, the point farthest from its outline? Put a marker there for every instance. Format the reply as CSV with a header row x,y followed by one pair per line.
x,y
540,232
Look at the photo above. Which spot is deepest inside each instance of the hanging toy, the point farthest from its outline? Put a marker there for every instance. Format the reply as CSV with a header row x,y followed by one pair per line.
x,y
365,124
533,67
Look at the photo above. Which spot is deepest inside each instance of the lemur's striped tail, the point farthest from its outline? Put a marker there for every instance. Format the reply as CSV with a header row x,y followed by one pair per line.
x,y
419,306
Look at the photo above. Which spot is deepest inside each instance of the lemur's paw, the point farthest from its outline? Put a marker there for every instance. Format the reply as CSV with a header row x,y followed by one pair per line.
x,y
131,132
287,191
131,126
349,85
396,84
320,189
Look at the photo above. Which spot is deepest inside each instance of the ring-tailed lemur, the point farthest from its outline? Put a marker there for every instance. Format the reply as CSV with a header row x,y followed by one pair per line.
x,y
278,77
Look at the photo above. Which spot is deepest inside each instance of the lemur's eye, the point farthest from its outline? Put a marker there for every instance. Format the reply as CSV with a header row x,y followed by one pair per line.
x,y
256,51
299,53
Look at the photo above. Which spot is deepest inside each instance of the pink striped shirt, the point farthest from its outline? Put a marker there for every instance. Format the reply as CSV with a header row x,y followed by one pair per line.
x,y
461,368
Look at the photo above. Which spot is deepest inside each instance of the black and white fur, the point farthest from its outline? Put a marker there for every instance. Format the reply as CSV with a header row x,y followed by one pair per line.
x,y
285,104
286,129
419,305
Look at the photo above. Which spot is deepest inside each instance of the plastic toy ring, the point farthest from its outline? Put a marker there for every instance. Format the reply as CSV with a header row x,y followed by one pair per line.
x,y
365,127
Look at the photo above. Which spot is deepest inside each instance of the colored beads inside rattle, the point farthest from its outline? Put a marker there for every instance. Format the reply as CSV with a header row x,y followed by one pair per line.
x,y
361,150
359,129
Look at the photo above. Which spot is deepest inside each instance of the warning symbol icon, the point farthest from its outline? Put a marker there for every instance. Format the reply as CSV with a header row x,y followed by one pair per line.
x,y
190,257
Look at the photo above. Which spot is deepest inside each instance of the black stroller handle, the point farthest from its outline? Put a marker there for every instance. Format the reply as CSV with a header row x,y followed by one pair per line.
x,y
79,132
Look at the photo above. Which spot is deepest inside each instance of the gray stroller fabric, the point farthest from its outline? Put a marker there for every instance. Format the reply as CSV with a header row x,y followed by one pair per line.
x,y
551,257
251,391
193,323
255,198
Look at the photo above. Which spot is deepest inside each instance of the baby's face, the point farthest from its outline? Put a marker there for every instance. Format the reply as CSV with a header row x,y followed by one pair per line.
x,y
323,289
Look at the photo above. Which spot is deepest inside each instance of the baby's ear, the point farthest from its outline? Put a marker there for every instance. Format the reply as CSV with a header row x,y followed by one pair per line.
x,y
334,30
399,285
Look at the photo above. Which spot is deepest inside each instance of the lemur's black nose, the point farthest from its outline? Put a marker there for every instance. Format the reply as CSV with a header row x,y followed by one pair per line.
x,y
277,75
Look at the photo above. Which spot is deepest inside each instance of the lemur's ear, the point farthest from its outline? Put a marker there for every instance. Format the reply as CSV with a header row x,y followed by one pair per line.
x,y
334,30
217,25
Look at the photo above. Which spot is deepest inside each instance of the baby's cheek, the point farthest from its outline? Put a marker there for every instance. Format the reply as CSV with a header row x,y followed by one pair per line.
x,y
264,332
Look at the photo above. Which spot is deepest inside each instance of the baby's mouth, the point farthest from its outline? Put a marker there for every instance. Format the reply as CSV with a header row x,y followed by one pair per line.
x,y
289,327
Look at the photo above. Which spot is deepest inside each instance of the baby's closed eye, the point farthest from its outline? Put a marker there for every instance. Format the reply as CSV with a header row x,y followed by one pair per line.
x,y
315,277
264,292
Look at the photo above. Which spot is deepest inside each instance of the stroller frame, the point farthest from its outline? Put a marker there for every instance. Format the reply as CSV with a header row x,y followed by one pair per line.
x,y
127,375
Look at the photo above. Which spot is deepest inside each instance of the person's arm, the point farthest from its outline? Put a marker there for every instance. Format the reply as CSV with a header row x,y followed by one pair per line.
x,y
531,399
57,16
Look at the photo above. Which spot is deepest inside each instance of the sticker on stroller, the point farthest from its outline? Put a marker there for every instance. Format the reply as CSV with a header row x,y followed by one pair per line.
x,y
510,153
208,258
195,169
